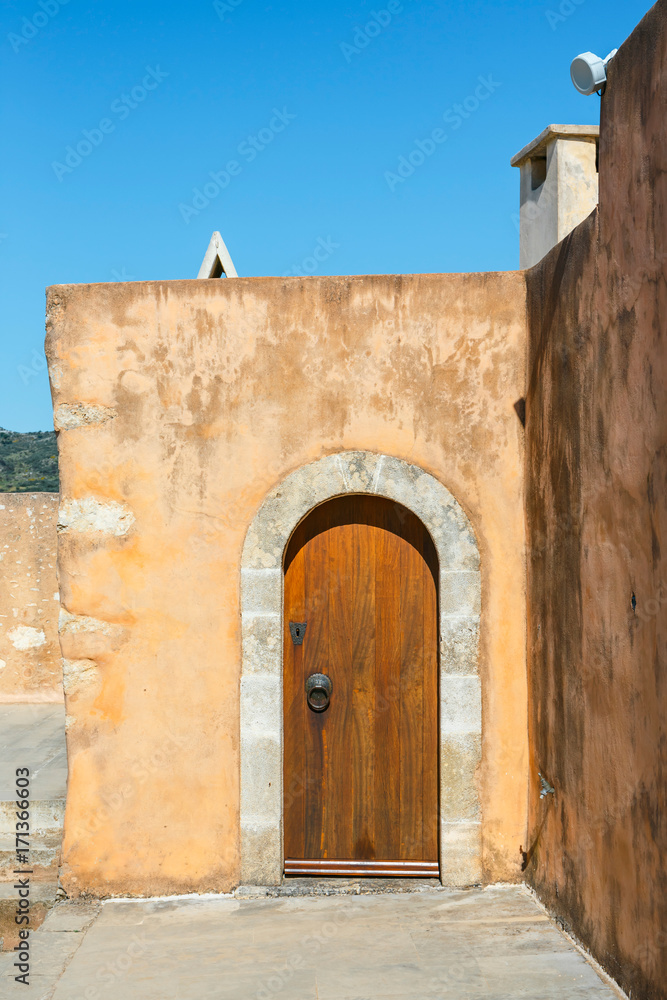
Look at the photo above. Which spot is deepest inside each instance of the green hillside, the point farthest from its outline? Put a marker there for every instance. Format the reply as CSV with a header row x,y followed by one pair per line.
x,y
28,462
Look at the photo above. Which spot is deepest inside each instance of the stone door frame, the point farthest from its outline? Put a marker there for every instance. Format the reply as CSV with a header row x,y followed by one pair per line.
x,y
460,707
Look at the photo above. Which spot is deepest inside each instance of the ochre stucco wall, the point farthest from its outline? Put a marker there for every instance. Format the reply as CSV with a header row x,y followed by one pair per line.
x,y
30,667
183,403
597,509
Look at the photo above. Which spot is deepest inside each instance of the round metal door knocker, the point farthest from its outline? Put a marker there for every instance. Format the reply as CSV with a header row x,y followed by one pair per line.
x,y
318,692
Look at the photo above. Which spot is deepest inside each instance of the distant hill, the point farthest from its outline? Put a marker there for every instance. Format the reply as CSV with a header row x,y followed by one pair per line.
x,y
28,462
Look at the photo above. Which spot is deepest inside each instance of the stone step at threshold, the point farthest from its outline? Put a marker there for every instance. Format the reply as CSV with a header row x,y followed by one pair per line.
x,y
40,892
42,861
47,815
44,866
46,834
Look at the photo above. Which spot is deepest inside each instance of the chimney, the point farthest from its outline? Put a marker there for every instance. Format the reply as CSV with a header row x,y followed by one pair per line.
x,y
559,186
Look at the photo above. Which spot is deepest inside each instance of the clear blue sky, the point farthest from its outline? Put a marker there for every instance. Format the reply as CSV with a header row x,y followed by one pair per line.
x,y
181,88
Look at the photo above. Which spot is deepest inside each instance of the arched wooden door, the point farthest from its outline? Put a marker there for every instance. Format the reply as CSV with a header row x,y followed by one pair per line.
x,y
361,774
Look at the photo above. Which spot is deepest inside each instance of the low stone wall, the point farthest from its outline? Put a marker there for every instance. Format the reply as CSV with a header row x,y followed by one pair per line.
x,y
30,663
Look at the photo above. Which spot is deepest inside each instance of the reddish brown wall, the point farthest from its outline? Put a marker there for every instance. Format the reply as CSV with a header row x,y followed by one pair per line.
x,y
597,515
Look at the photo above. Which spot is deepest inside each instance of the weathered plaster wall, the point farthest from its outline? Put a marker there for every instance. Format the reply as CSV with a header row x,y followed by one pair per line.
x,y
183,404
30,668
597,509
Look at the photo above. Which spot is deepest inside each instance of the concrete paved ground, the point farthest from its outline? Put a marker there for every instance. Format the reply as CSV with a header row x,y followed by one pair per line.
x,y
33,736
337,945
493,943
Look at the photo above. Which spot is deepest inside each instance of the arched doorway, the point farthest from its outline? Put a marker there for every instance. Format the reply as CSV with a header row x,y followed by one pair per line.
x,y
360,692
262,628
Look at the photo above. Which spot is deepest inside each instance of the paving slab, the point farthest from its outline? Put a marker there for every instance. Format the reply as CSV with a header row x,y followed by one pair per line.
x,y
494,943
33,736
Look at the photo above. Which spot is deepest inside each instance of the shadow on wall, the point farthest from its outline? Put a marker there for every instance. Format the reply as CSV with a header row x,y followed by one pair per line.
x,y
597,516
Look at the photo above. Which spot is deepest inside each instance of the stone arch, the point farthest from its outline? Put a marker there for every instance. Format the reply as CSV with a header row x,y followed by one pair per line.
x,y
460,711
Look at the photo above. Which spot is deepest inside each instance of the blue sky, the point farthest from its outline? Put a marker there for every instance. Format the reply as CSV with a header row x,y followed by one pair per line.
x,y
115,114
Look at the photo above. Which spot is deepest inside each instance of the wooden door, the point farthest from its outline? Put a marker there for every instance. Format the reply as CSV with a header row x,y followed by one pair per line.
x,y
361,776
